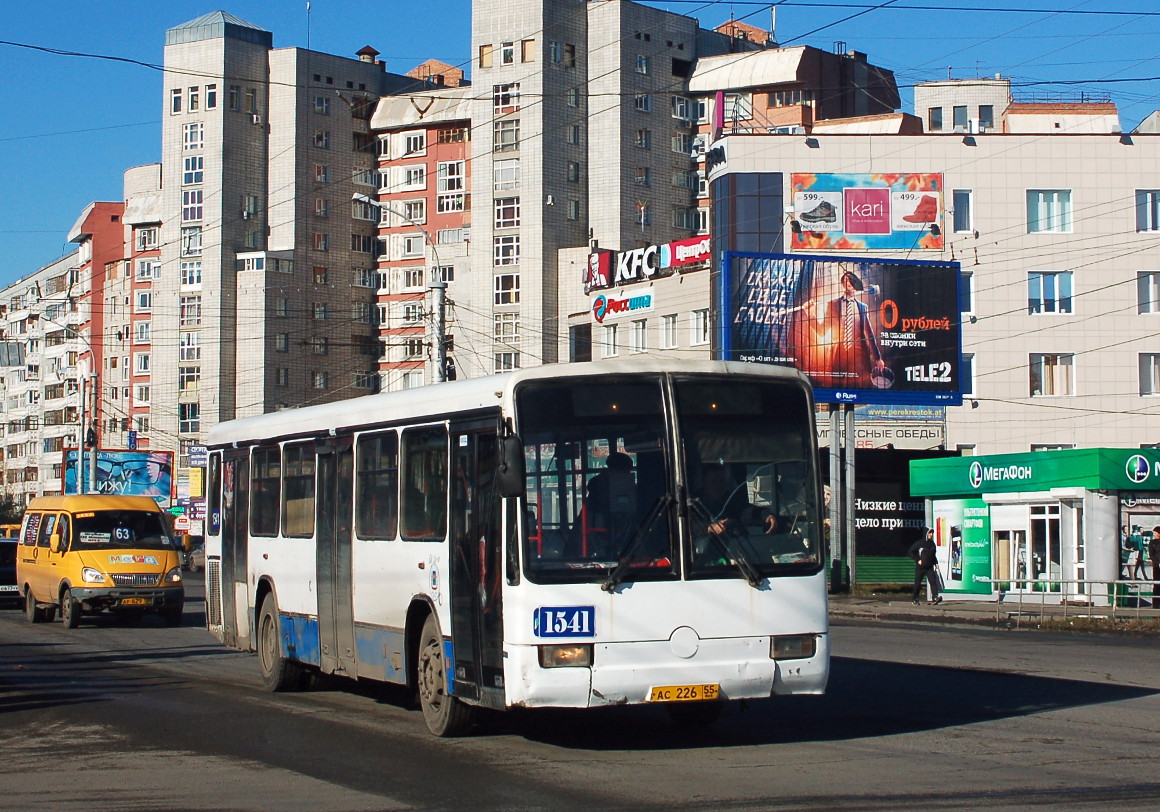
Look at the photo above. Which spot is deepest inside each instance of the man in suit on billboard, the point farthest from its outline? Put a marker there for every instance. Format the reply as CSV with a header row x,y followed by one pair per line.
x,y
856,354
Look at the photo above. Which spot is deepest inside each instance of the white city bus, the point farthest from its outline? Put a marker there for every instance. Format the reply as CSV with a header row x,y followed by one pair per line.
x,y
551,537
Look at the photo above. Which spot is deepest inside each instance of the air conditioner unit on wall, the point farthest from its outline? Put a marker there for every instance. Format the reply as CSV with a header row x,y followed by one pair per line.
x,y
255,118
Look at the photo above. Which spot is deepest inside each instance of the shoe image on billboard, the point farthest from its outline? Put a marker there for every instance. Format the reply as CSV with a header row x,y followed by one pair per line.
x,y
824,212
925,212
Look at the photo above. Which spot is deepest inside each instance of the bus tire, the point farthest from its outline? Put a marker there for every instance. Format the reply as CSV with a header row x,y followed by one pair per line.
x,y
278,673
444,714
32,610
695,714
70,610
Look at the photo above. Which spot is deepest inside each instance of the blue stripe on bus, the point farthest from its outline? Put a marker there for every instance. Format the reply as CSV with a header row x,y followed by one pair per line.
x,y
449,666
374,645
300,639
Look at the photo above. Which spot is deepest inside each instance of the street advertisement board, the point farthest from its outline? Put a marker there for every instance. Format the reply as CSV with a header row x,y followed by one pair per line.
x,y
962,532
863,330
124,473
610,269
867,212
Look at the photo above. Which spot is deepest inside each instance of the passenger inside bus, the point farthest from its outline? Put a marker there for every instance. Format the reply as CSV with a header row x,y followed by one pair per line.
x,y
609,511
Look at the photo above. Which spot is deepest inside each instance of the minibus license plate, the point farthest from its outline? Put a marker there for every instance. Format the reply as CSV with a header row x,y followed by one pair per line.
x,y
134,601
684,693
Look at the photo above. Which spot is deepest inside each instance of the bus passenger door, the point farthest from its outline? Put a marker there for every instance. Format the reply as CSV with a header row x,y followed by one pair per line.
x,y
476,564
334,506
235,562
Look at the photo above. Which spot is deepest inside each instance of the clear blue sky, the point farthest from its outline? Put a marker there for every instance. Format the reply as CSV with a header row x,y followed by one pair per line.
x,y
71,125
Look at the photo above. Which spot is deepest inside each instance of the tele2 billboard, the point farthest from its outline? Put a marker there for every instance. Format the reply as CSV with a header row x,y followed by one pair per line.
x,y
863,330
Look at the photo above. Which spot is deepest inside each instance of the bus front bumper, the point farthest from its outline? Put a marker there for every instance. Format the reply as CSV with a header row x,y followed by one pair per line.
x,y
627,673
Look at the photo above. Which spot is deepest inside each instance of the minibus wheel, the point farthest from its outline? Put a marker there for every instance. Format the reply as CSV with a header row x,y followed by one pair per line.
x,y
70,610
31,610
444,714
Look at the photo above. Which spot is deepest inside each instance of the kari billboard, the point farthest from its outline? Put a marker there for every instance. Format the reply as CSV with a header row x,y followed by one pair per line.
x,y
840,212
124,473
864,331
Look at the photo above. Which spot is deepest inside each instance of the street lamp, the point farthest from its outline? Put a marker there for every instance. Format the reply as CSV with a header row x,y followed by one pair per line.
x,y
437,287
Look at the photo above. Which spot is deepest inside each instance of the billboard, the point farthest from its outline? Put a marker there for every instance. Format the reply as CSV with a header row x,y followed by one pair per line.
x,y
610,269
875,212
124,473
863,330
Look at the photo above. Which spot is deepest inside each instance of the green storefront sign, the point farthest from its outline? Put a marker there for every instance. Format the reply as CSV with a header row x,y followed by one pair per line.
x,y
1110,469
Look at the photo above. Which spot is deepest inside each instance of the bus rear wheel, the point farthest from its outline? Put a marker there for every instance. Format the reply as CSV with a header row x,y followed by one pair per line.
x,y
278,673
32,610
70,610
444,714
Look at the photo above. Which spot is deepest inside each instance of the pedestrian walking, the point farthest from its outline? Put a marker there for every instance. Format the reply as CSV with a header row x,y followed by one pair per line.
x,y
925,555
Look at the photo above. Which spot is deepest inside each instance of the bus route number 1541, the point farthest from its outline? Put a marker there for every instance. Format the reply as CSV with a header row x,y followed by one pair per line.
x,y
565,621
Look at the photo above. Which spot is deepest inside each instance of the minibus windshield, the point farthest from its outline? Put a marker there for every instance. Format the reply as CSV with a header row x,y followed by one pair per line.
x,y
120,530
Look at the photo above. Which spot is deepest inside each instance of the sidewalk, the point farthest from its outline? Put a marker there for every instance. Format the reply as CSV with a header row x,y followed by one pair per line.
x,y
1009,612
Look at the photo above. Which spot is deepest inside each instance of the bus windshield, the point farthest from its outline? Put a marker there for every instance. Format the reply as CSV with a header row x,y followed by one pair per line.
x,y
120,530
603,502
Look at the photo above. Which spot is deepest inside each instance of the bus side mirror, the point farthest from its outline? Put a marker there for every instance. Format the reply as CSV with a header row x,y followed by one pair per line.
x,y
56,542
510,476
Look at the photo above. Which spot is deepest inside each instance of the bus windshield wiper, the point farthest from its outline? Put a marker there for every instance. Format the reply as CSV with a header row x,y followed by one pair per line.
x,y
625,557
729,545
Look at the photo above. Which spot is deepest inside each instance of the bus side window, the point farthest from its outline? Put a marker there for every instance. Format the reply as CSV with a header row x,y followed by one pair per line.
x,y
63,529
214,495
424,483
31,529
47,526
377,486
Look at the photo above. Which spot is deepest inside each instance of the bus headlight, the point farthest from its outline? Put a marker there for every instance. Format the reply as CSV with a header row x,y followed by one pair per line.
x,y
564,656
92,576
793,647
173,576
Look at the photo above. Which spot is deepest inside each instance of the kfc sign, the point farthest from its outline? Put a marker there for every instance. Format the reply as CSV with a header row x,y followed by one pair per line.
x,y
607,269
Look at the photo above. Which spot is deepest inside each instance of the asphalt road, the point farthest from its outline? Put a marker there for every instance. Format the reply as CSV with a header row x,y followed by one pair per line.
x,y
947,717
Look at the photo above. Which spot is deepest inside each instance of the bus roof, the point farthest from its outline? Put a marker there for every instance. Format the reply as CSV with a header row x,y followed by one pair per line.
x,y
92,501
473,394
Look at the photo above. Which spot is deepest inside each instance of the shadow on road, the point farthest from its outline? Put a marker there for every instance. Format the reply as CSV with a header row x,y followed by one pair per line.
x,y
865,699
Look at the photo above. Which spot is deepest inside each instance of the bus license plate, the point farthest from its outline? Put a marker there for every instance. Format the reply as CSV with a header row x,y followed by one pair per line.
x,y
134,601
8,588
684,693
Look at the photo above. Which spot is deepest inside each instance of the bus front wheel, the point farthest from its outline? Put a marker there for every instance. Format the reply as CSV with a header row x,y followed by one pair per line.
x,y
278,673
444,714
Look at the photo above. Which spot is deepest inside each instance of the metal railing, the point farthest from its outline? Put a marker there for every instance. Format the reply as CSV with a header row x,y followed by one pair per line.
x,y
1071,598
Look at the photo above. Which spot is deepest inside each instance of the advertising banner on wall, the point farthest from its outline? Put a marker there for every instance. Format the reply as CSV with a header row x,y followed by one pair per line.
x,y
863,330
610,269
962,531
875,212
124,473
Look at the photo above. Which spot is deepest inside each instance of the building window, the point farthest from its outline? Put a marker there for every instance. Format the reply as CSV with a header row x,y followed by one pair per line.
x,y
506,250
148,270
141,363
451,135
507,328
189,347
507,212
700,327
415,143
967,374
1048,210
320,241
190,311
507,53
608,348
412,278
573,210
191,241
188,417
319,345
443,273
321,275
506,98
573,172
643,102
144,301
322,139
643,139
506,174
1049,292
320,311
959,117
643,176
143,332
193,135
967,292
506,134
141,394
507,289
963,219
528,50
1149,373
412,313
321,173
934,119
569,55
188,379
251,100
1052,374
669,331
281,341
1148,292
506,361
211,97
175,100
235,97
573,96
413,379
1147,210
193,170
322,105
415,211
572,134
485,56
414,347
642,64
412,246
282,376
191,208
321,380
682,143
414,178
146,239
987,116
638,336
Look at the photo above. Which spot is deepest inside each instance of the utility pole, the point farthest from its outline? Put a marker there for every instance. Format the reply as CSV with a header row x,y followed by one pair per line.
x,y
94,391
439,325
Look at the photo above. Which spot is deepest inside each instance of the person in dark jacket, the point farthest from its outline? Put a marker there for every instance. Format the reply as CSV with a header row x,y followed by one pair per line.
x,y
924,552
